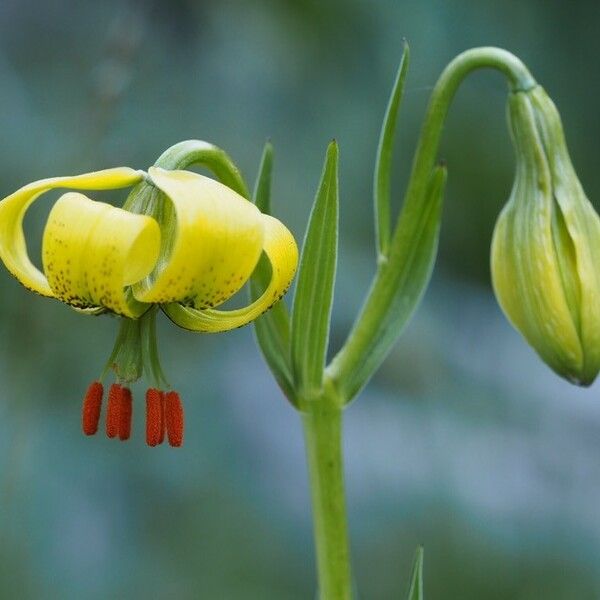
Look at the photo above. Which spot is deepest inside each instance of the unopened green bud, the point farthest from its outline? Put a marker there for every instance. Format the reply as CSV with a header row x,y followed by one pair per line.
x,y
546,246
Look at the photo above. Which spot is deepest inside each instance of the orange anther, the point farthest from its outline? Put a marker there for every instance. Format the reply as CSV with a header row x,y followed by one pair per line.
x,y
163,421
154,417
125,414
174,418
115,394
92,403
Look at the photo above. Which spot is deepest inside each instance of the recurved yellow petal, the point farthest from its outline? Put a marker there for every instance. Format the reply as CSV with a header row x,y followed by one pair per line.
x,y
92,251
282,252
13,249
216,243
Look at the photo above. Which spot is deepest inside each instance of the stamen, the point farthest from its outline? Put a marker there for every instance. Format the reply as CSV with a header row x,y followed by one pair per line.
x,y
163,428
125,414
92,403
115,394
174,418
154,417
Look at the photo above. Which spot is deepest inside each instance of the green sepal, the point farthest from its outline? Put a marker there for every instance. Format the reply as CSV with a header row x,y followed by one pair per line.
x,y
313,299
272,329
383,161
415,591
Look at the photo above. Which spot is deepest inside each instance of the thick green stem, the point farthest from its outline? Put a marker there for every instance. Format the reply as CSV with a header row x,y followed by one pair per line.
x,y
322,421
370,326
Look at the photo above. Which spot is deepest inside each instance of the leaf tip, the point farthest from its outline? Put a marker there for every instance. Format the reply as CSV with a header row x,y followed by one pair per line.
x,y
405,46
268,149
416,583
333,150
440,172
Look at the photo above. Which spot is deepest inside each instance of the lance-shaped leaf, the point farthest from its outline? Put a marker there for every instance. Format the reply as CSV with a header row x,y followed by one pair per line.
x,y
273,328
396,291
314,289
415,591
383,162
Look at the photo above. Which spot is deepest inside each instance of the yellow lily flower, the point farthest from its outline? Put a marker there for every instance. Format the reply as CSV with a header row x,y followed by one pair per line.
x,y
187,246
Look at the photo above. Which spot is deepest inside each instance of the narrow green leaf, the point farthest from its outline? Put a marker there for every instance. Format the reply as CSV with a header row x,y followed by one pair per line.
x,y
383,162
272,329
316,278
395,293
416,581
262,186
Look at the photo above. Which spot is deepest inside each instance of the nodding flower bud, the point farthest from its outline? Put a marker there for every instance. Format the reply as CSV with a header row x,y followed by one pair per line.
x,y
546,247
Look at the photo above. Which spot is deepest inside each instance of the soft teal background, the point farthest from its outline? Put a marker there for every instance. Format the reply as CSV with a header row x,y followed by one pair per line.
x,y
463,441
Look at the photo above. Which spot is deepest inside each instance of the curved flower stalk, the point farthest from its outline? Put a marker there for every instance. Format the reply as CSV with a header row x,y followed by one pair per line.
x,y
183,242
545,258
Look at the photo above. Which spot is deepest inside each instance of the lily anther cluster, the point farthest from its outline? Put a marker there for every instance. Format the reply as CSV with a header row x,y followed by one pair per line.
x,y
183,243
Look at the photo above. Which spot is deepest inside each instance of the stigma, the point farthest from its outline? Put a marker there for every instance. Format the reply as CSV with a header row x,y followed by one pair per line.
x,y
164,414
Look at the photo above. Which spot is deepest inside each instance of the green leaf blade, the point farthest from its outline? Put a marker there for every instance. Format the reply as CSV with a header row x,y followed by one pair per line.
x,y
272,330
313,299
262,186
415,591
398,287
383,161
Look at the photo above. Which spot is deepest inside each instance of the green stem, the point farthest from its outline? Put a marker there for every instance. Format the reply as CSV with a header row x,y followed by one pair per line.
x,y
519,79
369,328
322,421
196,152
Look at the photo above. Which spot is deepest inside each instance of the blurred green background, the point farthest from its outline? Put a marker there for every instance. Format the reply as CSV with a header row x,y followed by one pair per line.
x,y
464,441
